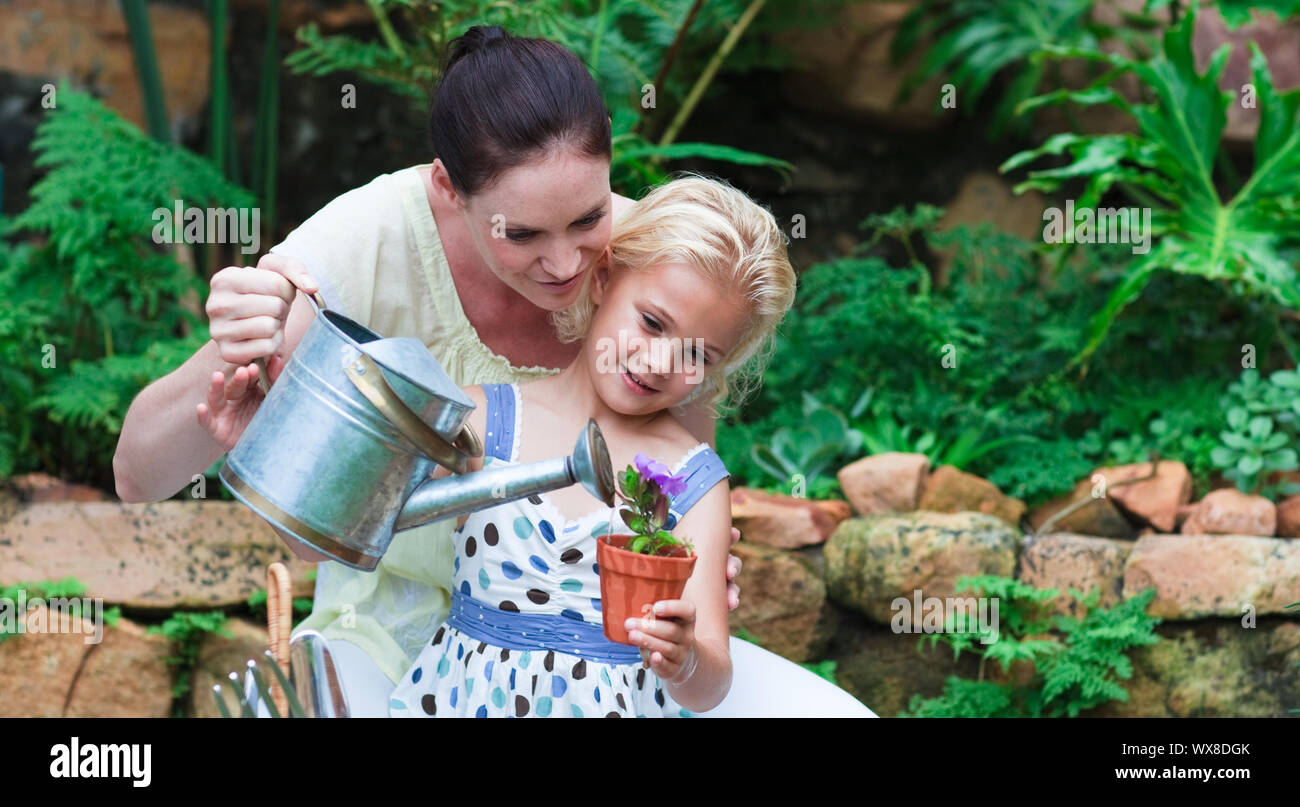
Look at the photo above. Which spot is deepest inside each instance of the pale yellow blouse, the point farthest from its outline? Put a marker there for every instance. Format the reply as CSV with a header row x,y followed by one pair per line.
x,y
376,255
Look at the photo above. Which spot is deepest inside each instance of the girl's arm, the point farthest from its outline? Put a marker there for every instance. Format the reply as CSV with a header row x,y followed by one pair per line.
x,y
696,625
701,422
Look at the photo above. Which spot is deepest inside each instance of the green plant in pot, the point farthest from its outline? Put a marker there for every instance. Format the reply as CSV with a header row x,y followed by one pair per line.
x,y
642,562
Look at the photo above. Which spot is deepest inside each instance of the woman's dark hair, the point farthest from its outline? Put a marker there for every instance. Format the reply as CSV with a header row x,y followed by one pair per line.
x,y
503,98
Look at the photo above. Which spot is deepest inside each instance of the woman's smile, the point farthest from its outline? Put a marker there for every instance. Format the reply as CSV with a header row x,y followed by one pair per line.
x,y
561,288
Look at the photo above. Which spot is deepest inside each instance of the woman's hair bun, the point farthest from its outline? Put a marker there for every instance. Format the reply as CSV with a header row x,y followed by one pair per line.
x,y
474,39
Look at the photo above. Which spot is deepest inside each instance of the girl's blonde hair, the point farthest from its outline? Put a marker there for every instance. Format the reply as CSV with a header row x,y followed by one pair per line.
x,y
709,225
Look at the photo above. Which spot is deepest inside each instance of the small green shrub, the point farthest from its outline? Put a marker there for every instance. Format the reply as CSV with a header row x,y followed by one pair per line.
x,y
186,630
68,587
1080,666
1263,429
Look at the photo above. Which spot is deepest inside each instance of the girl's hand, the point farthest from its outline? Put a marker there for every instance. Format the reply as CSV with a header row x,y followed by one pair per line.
x,y
666,637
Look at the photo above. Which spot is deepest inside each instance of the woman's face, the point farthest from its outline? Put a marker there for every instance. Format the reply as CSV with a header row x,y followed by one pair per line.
x,y
541,226
657,334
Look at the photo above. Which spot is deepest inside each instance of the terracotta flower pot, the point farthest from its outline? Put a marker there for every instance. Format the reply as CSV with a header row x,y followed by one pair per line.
x,y
631,583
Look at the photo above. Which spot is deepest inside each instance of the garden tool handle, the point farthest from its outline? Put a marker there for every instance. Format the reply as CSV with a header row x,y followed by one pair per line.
x,y
279,624
263,376
365,374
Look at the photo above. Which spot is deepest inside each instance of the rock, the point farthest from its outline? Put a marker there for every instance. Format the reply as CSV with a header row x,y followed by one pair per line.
x,y
1214,668
1099,517
296,13
1152,501
1288,518
1228,511
784,521
127,675
1064,561
68,674
37,488
37,670
782,603
87,41
885,483
1214,575
873,560
886,670
10,504
987,198
949,490
847,70
171,554
218,657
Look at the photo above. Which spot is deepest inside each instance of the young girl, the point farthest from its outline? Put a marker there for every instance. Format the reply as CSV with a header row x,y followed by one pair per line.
x,y
696,280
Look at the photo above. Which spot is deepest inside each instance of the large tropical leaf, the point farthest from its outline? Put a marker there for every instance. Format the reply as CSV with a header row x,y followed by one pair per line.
x,y
1245,237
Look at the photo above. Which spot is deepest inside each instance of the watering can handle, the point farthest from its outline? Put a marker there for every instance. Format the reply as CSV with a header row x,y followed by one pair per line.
x,y
264,377
365,374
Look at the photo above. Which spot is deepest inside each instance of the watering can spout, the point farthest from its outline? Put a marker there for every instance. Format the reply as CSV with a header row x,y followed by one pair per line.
x,y
457,495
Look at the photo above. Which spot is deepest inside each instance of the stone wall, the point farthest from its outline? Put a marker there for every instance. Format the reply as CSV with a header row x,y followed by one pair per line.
x,y
1230,645
818,582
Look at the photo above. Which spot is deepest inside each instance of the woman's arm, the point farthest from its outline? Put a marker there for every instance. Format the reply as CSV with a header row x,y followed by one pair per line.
x,y
164,440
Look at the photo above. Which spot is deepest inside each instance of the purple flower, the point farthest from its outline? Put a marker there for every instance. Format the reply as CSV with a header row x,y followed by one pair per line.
x,y
660,474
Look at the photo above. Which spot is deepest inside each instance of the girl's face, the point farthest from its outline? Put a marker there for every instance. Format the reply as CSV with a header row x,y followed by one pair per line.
x,y
657,333
543,224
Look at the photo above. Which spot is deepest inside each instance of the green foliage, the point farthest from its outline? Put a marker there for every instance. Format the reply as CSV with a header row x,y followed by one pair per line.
x,y
1041,466
901,223
823,669
89,304
1078,666
627,45
1238,12
881,433
1246,240
69,587
973,42
809,451
186,630
257,606
966,373
1263,429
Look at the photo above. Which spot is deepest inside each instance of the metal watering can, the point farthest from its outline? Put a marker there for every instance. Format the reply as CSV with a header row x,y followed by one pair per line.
x,y
340,452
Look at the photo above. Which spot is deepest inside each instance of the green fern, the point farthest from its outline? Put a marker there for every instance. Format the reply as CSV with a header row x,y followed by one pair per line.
x,y
1079,666
90,306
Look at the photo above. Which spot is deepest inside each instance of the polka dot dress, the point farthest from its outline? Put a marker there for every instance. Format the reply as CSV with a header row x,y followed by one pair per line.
x,y
522,566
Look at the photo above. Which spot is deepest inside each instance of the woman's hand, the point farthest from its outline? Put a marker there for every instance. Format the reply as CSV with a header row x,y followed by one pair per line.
x,y
666,636
247,308
733,569
232,402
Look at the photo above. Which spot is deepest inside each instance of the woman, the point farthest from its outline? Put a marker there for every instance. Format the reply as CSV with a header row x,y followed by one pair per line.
x,y
471,254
